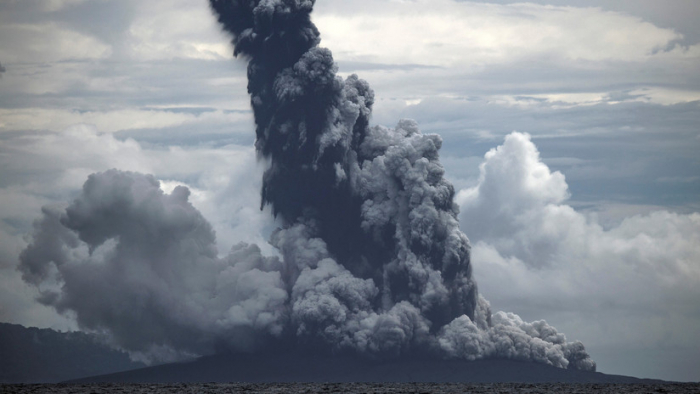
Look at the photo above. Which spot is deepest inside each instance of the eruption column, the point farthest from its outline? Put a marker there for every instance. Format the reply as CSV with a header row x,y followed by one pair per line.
x,y
375,196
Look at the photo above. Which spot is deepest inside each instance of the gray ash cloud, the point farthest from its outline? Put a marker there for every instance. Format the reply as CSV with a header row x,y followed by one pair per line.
x,y
371,257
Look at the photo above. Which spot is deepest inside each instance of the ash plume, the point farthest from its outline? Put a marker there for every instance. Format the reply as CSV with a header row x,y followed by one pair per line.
x,y
375,196
372,261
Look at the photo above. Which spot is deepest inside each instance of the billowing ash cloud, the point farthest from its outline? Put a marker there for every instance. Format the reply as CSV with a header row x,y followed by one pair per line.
x,y
371,257
375,196
142,266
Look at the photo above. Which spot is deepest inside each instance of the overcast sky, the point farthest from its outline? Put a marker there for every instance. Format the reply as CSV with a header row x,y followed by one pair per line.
x,y
587,216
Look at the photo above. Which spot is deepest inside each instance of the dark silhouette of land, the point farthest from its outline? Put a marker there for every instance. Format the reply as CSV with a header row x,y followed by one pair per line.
x,y
33,355
36,355
266,368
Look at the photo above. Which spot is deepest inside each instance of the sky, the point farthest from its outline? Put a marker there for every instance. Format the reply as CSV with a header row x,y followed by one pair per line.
x,y
570,130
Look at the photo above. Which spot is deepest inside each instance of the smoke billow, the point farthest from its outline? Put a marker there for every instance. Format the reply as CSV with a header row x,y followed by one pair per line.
x,y
371,258
142,267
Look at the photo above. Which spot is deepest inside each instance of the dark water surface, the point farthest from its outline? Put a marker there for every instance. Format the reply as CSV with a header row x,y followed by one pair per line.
x,y
504,388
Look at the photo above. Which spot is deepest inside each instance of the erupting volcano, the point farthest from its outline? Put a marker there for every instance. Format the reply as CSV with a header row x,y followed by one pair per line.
x,y
371,260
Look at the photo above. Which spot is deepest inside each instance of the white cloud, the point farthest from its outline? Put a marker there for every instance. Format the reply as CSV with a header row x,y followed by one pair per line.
x,y
514,179
634,284
56,5
664,96
177,29
156,30
449,33
555,101
109,121
48,42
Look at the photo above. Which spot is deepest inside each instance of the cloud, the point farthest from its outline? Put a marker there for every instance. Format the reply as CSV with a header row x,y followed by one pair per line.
x,y
176,29
533,252
57,5
513,185
665,96
48,42
470,34
97,30
118,120
518,207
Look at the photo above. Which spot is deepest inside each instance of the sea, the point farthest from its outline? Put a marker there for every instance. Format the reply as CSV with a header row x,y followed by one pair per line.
x,y
327,388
